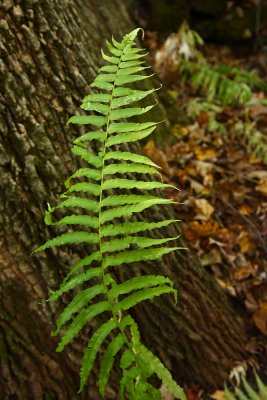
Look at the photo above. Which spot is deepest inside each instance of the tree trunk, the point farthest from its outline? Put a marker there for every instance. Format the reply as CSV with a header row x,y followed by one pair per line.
x,y
49,52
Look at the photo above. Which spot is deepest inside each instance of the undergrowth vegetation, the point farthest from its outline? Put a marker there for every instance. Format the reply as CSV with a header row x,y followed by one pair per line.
x,y
105,195
222,86
248,393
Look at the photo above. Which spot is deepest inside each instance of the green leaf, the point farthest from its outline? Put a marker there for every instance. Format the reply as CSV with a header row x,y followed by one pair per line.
x,y
109,68
96,135
261,386
131,184
117,200
158,368
108,361
88,119
132,50
86,156
85,187
136,95
118,127
129,168
250,391
124,79
114,50
112,60
117,44
127,359
137,283
141,295
80,202
128,64
87,220
132,57
130,71
128,210
127,137
129,376
128,112
96,256
136,255
132,227
126,156
241,395
75,281
69,238
84,173
98,107
94,345
102,85
79,301
228,395
105,78
102,97
79,322
132,35
124,243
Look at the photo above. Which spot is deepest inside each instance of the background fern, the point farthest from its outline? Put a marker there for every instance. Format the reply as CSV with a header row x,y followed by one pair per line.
x,y
249,393
90,190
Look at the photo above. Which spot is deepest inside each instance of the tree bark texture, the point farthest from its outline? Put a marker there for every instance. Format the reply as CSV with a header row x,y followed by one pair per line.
x,y
49,52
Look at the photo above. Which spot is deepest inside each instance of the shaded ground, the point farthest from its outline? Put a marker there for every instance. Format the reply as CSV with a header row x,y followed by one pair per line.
x,y
224,190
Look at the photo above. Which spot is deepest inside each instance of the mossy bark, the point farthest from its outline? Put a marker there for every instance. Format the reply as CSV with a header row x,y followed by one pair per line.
x,y
49,54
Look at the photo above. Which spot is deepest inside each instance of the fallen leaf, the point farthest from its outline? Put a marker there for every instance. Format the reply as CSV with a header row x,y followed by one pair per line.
x,y
205,153
157,156
226,236
179,131
245,242
244,272
245,209
203,208
203,228
196,186
203,167
262,187
213,257
192,393
218,395
227,285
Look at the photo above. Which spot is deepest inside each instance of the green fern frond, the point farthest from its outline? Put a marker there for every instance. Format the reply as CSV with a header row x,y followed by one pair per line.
x,y
215,84
97,185
249,393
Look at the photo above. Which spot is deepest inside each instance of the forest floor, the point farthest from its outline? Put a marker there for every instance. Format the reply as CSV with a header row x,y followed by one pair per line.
x,y
223,190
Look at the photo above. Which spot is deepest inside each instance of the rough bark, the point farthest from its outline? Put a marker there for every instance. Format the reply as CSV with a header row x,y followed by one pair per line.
x,y
48,53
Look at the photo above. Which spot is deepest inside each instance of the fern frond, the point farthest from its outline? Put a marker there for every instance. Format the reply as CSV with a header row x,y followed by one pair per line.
x,y
158,368
68,238
137,283
128,210
77,303
97,186
85,187
131,184
133,227
96,256
249,393
75,281
128,257
125,156
79,322
108,360
94,345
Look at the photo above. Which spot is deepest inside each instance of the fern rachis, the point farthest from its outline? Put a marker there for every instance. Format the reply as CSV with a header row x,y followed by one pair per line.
x,y
104,229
